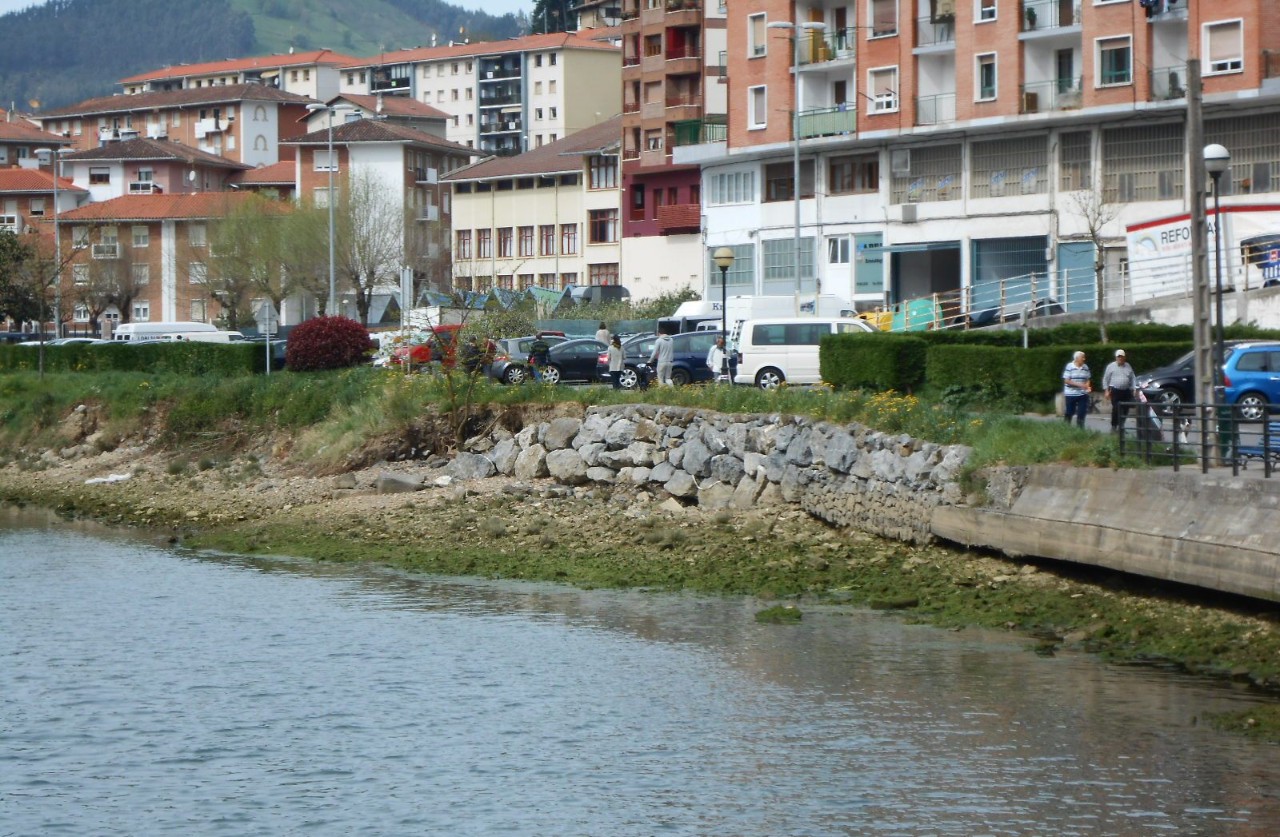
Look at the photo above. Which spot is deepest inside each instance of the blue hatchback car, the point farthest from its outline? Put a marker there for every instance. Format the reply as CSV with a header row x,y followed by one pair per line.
x,y
688,362
1251,379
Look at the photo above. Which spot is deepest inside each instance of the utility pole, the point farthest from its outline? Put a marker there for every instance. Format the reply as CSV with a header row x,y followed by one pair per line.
x,y
1201,309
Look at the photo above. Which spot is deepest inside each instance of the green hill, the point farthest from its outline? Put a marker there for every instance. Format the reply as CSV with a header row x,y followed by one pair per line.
x,y
67,50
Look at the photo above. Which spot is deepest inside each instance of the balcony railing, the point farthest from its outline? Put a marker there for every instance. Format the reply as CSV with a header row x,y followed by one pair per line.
x,y
936,110
630,107
680,100
930,32
684,5
1169,83
833,46
686,51
1049,14
631,61
699,131
828,122
1056,94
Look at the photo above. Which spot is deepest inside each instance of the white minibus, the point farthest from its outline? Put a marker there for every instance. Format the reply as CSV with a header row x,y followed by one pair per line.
x,y
141,332
780,350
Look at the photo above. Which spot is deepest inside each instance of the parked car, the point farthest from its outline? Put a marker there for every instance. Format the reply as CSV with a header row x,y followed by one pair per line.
x,y
1174,384
1251,379
510,363
434,344
574,360
65,341
781,350
688,362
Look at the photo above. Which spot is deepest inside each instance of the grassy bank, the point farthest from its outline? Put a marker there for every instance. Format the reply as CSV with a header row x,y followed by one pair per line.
x,y
242,465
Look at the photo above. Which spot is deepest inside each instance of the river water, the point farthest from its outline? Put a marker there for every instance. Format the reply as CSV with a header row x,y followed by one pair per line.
x,y
149,690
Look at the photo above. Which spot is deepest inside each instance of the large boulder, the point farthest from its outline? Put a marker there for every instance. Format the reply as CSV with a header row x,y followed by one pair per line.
x,y
560,433
717,495
566,466
470,466
388,483
697,458
504,456
531,463
726,468
681,485
620,434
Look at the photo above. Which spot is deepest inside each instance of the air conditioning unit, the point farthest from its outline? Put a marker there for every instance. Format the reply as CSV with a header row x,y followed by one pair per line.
x,y
908,213
900,161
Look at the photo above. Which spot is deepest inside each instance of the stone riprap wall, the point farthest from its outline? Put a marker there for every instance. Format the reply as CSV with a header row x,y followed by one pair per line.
x,y
886,484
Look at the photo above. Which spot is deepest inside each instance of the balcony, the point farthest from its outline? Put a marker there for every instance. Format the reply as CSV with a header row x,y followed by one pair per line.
x,y
426,176
500,126
1046,96
684,12
631,60
630,107
105,251
684,106
429,213
684,60
497,99
827,122
1169,83
679,218
935,33
699,131
938,109
1164,10
1041,15
832,46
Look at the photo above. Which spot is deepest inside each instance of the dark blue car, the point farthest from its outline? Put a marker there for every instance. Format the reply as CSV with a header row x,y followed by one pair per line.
x,y
688,364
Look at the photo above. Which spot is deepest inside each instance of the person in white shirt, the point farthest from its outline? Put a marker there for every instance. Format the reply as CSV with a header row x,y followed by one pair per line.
x,y
716,362
602,334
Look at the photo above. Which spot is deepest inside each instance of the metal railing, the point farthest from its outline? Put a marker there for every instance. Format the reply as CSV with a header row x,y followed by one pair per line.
x,y
828,122
1051,95
1203,435
835,45
936,109
932,33
699,131
1039,15
1169,83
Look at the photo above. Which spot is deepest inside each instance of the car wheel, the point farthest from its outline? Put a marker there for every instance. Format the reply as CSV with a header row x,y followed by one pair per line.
x,y
680,377
514,374
1252,407
551,374
1170,400
770,378
628,378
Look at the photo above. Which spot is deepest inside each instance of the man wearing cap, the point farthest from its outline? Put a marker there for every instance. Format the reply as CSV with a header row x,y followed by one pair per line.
x,y
1117,385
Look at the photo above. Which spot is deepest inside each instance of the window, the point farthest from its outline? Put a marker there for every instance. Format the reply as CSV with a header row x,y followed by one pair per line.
x,y
141,312
1142,163
551,59
109,236
462,246
1115,64
537,60
653,139
604,226
35,207
80,274
323,161
140,273
985,79
547,241
883,83
537,114
141,236
925,173
484,244
198,273
505,241
883,17
1075,161
779,179
198,235
199,311
603,172
321,197
546,280
757,107
986,10
757,36
567,279
732,187
1008,167
79,237
1224,46
602,274
568,239
99,175
552,112
854,175
524,281
1255,152
838,249
526,241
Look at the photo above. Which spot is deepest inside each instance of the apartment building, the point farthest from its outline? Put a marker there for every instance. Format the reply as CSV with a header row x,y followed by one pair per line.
x,y
548,218
27,197
147,166
674,93
242,122
976,149
313,74
142,257
502,97
395,174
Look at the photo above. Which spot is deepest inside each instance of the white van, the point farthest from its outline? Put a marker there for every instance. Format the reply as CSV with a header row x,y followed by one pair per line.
x,y
204,336
781,350
142,332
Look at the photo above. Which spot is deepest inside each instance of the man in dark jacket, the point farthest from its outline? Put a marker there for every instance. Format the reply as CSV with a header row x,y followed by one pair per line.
x,y
539,356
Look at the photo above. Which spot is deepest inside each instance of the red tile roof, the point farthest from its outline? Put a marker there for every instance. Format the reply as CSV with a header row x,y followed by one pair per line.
x,y
154,149
394,106
277,173
553,40
20,130
379,130
192,207
559,157
172,98
15,180
235,65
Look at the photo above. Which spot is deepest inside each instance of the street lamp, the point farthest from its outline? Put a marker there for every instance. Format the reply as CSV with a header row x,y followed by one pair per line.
x,y
54,154
795,141
1217,159
724,260
331,309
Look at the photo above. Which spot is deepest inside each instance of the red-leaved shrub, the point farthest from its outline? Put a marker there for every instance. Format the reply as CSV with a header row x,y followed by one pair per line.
x,y
327,343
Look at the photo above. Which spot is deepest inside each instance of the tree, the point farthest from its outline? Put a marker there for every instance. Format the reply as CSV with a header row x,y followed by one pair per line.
x,y
553,16
103,283
369,229
18,299
1097,214
255,252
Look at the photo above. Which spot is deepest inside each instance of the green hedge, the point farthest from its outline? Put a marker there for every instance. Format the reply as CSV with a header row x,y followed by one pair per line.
x,y
187,358
1034,373
873,361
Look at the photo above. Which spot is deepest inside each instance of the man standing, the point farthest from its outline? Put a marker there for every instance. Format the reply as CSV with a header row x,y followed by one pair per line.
x,y
1076,386
1118,382
662,357
539,354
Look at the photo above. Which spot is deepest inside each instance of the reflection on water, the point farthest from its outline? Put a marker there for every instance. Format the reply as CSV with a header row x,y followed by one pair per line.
x,y
149,691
